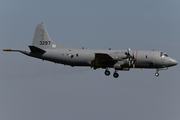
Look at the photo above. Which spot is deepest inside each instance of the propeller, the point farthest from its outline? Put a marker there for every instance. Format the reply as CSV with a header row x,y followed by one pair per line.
x,y
128,53
133,61
130,57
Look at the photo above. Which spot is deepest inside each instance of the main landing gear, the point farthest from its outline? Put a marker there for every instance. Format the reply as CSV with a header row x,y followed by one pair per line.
x,y
115,75
107,73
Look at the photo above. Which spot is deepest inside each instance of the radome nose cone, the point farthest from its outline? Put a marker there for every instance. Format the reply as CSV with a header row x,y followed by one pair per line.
x,y
173,62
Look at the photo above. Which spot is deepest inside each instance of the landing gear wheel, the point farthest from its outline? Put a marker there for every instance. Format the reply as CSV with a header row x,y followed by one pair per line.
x,y
116,75
107,73
156,74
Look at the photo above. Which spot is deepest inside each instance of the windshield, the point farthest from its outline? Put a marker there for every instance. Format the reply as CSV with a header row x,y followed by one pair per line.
x,y
163,54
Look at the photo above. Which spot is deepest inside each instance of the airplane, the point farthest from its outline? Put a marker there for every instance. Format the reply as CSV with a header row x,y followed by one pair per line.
x,y
44,48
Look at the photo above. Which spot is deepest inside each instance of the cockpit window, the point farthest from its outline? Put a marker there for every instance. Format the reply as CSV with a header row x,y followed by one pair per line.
x,y
163,54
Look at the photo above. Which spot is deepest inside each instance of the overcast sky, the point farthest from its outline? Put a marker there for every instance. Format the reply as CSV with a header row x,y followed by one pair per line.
x,y
32,89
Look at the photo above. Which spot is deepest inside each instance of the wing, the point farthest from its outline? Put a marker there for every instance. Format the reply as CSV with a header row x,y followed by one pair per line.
x,y
104,60
101,60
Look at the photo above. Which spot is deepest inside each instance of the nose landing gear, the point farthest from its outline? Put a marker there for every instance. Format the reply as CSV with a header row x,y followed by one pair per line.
x,y
157,74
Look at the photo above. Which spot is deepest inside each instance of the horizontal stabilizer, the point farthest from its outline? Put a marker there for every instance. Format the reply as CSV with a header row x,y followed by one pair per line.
x,y
36,49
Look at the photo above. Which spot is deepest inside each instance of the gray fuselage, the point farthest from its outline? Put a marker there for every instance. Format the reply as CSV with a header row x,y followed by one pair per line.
x,y
83,57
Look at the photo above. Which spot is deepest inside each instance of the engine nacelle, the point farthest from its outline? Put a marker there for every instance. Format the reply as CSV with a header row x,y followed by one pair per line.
x,y
118,66
118,56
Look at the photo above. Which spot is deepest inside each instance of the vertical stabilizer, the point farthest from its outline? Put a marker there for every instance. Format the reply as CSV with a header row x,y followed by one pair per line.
x,y
42,40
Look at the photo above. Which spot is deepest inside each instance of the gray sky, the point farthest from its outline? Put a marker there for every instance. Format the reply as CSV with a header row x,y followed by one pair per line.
x,y
34,90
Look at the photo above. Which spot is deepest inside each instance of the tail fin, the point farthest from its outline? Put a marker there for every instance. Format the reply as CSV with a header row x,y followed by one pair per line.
x,y
42,40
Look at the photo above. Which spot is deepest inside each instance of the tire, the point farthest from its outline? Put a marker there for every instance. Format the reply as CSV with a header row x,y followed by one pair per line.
x,y
107,73
115,75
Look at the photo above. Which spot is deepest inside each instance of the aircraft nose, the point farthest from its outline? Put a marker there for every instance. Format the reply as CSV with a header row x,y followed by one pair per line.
x,y
173,62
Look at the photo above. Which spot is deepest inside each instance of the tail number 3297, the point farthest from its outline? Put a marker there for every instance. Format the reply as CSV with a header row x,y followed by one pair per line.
x,y
45,42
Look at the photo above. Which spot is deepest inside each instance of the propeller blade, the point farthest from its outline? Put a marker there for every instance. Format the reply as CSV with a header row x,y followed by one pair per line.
x,y
133,61
130,60
128,50
133,55
133,66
